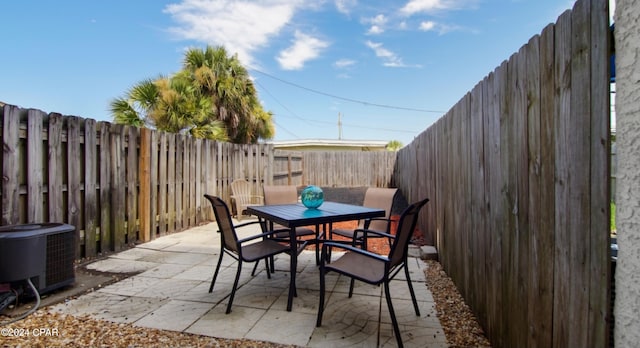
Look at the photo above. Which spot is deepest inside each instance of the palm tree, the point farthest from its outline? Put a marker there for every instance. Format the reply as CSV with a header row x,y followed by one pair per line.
x,y
134,110
394,145
228,84
212,97
171,105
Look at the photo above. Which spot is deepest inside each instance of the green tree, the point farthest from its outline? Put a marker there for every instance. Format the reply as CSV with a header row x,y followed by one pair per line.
x,y
223,78
394,145
211,97
171,105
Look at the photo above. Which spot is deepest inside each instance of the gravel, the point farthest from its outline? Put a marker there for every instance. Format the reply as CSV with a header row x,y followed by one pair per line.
x,y
69,331
458,322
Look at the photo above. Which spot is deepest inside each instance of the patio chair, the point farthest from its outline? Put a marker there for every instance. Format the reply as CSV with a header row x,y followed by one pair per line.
x,y
287,194
374,197
242,196
371,268
239,249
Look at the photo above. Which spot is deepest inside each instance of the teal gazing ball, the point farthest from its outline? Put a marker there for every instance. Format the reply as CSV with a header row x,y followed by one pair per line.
x,y
312,196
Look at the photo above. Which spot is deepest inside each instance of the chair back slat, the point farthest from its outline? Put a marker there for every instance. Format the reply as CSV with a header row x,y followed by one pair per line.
x,y
406,226
281,194
379,198
225,224
241,190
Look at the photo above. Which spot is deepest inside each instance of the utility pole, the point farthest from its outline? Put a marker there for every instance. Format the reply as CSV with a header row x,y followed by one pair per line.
x,y
339,126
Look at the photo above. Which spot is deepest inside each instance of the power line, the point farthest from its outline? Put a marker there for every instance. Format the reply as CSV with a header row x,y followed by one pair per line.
x,y
309,121
332,123
278,101
286,130
344,98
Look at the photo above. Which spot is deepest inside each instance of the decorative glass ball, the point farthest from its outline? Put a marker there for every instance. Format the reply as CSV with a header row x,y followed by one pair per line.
x,y
312,196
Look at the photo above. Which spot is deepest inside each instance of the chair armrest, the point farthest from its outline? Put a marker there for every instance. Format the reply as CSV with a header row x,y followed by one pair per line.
x,y
261,235
365,231
252,198
259,199
244,224
367,222
351,248
257,236
381,219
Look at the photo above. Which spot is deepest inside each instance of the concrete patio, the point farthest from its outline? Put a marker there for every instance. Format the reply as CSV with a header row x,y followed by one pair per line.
x,y
170,292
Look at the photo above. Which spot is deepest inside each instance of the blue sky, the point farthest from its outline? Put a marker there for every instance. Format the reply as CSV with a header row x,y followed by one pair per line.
x,y
388,68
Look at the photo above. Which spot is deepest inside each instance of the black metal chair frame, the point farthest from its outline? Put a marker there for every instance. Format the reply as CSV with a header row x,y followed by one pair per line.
x,y
393,263
254,252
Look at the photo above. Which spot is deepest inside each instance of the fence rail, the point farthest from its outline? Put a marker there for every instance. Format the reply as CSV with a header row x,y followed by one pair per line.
x,y
518,176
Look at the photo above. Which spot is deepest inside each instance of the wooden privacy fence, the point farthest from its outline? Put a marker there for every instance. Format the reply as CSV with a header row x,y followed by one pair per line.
x,y
117,184
333,168
349,168
287,168
518,176
120,184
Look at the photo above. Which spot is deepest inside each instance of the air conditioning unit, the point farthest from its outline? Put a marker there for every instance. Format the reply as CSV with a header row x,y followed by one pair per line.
x,y
43,253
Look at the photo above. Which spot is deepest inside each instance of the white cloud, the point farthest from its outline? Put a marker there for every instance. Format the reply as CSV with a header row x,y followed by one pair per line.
x,y
345,6
304,48
377,24
427,25
375,30
442,28
241,26
430,6
447,28
389,58
379,20
344,63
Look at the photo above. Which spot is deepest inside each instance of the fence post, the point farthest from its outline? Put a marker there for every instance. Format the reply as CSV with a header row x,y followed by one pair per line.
x,y
144,200
289,175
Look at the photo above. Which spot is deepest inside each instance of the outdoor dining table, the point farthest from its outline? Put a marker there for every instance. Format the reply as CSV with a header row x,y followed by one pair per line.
x,y
296,215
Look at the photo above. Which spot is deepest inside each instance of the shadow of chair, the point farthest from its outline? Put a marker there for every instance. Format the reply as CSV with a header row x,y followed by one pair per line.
x,y
374,197
239,249
371,268
287,194
243,197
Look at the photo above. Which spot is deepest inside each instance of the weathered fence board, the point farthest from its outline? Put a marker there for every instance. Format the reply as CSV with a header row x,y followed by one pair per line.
x,y
118,179
90,209
171,182
478,211
106,236
10,165
162,184
542,248
34,158
55,169
144,169
132,183
600,191
73,178
179,181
